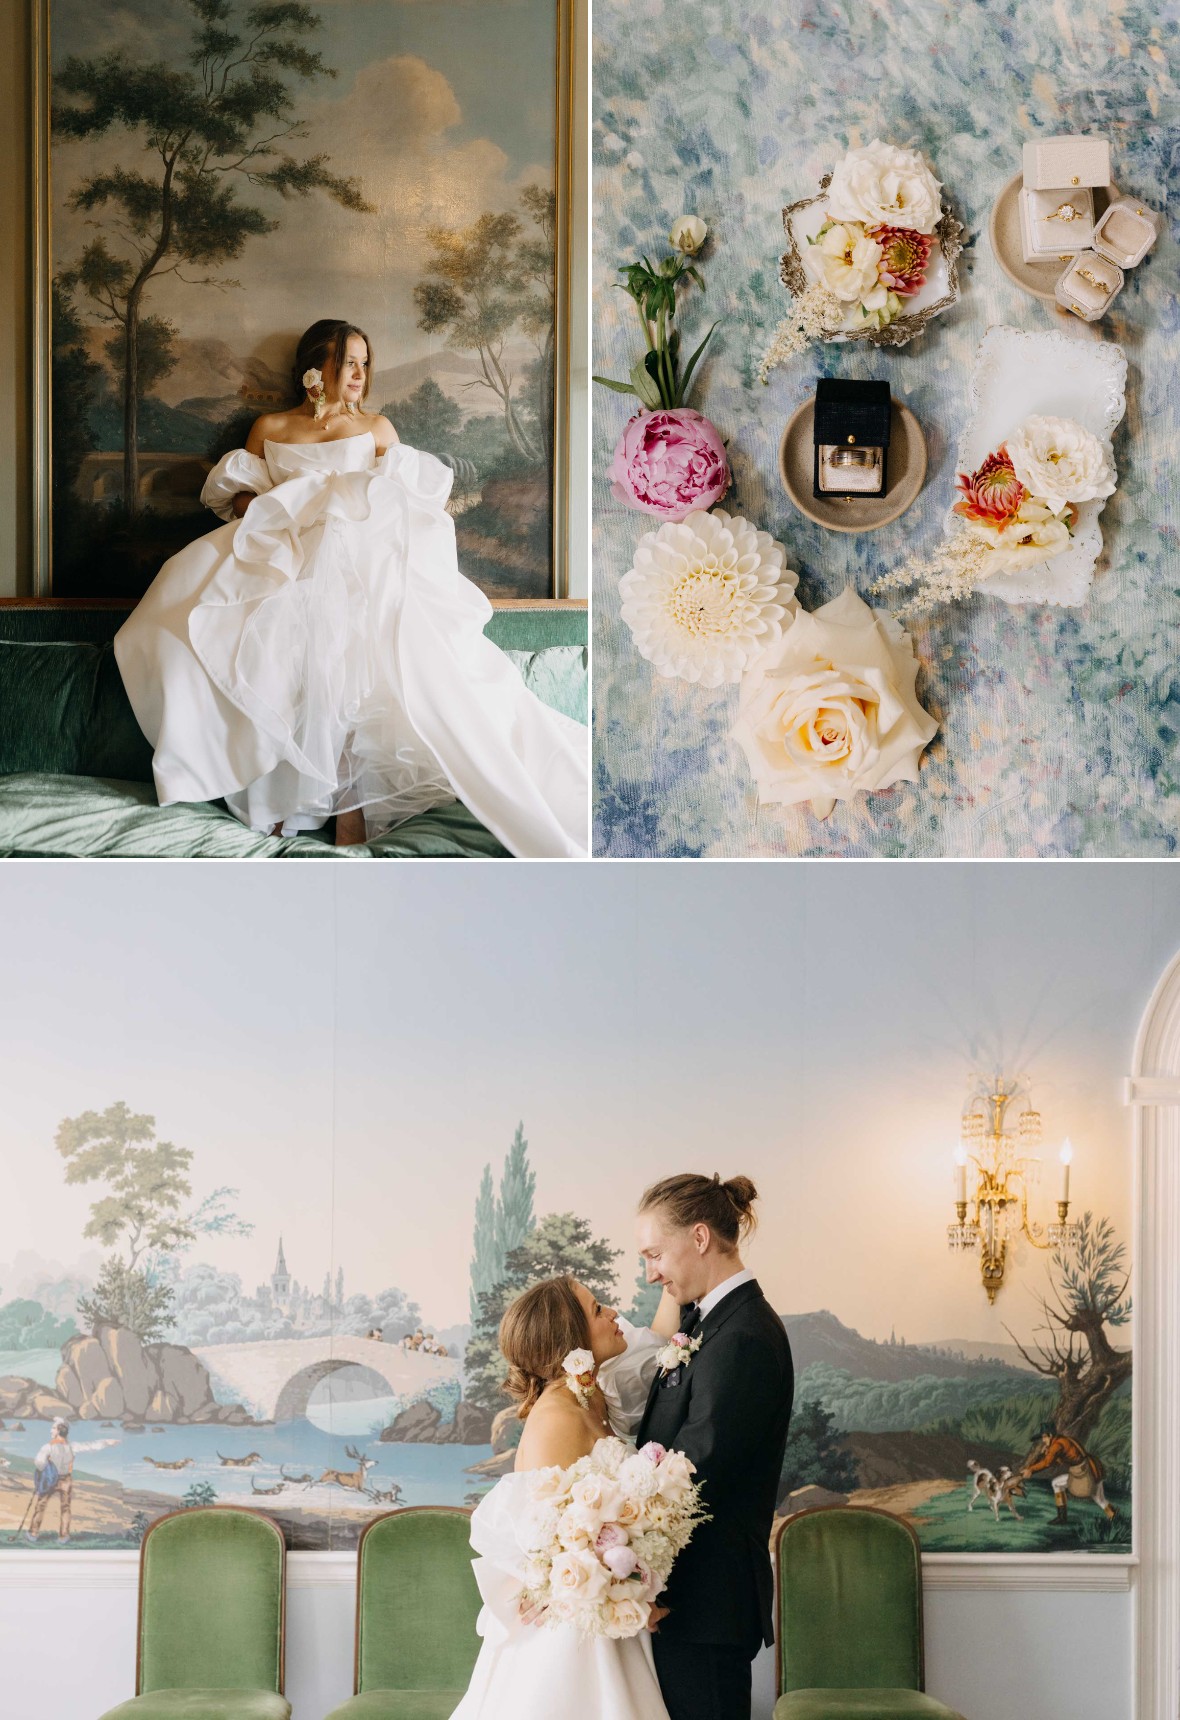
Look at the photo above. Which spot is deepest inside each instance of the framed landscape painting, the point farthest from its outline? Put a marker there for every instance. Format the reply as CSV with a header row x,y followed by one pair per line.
x,y
216,175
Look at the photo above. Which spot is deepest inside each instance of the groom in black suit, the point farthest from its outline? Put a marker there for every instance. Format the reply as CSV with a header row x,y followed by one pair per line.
x,y
727,1407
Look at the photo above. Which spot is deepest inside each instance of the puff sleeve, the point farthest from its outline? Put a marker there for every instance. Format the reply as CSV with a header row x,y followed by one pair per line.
x,y
234,472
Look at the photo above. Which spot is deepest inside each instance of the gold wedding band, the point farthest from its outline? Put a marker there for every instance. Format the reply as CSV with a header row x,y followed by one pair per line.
x,y
852,457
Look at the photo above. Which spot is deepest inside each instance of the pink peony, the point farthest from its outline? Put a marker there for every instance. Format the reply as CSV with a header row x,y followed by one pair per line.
x,y
904,256
653,1451
610,1535
668,463
620,1561
993,494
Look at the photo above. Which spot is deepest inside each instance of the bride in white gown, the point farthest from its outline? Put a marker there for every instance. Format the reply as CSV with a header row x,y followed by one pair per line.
x,y
527,1670
321,653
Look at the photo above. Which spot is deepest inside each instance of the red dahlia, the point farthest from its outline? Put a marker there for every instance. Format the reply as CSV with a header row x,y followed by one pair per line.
x,y
993,493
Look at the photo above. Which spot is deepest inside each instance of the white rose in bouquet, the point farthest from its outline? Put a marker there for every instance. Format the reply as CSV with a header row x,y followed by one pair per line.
x,y
578,1576
883,186
547,1485
578,1529
1059,461
596,1495
626,1613
848,260
831,711
675,1477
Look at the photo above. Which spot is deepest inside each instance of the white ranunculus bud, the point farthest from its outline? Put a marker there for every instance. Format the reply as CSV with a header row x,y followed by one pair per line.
x,y
688,234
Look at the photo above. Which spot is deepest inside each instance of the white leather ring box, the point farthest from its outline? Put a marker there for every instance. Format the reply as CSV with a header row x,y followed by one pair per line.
x,y
1126,231
1089,286
1066,163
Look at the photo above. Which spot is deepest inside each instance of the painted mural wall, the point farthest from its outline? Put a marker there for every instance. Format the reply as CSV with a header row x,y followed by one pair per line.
x,y
265,1204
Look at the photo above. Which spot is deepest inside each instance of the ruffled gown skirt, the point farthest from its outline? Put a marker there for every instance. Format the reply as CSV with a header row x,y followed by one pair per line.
x,y
324,654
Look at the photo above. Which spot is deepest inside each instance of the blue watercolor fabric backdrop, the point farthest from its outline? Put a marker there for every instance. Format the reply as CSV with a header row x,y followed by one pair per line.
x,y
1059,726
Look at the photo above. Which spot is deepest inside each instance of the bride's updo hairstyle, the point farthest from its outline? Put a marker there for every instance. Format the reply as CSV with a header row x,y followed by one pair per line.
x,y
726,1207
537,1332
323,341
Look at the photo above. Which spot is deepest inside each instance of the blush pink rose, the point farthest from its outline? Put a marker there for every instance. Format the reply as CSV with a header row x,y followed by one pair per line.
x,y
669,462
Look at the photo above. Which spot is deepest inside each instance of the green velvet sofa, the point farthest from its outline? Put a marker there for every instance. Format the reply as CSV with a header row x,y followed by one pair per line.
x,y
849,1642
75,771
211,1619
416,1607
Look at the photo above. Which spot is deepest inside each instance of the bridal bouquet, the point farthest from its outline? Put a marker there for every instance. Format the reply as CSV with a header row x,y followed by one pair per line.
x,y
864,254
601,1537
1016,511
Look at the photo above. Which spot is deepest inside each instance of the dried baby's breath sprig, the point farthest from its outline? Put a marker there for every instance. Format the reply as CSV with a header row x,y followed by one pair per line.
x,y
813,315
953,572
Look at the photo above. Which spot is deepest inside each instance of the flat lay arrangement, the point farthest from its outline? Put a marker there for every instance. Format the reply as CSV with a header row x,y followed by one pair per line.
x,y
876,259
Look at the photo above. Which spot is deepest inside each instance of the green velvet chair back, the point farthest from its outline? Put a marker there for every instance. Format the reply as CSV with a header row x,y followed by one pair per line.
x,y
211,1602
417,1601
849,1601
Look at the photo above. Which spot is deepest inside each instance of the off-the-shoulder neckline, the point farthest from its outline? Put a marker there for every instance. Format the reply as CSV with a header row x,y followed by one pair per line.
x,y
269,441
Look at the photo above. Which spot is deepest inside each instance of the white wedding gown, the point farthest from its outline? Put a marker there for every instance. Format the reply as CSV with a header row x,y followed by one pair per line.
x,y
324,654
537,1672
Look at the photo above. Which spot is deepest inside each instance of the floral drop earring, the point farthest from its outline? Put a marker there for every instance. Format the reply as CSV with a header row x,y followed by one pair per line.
x,y
314,384
580,1374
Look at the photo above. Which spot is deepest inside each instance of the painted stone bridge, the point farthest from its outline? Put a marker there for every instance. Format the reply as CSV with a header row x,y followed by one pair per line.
x,y
275,1378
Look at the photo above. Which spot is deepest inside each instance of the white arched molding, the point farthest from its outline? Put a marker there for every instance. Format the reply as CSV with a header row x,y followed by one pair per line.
x,y
1153,1089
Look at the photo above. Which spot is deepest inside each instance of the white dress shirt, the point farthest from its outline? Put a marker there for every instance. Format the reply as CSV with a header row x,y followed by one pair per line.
x,y
707,1303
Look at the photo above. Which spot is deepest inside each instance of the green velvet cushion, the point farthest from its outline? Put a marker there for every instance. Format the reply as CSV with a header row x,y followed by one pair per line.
x,y
850,1602
211,1603
88,817
860,1705
63,710
399,1705
558,676
203,1705
418,1603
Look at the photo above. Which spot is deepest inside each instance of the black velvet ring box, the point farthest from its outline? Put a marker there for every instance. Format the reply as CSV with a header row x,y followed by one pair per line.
x,y
851,438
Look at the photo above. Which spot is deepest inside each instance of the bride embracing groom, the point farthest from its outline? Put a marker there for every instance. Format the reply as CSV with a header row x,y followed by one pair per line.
x,y
712,1380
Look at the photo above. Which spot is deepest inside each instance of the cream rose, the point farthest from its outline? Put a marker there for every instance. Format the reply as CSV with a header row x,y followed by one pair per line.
x,y
625,1614
1059,461
595,1495
848,260
675,1476
578,1575
885,187
578,1530
688,234
546,1486
831,711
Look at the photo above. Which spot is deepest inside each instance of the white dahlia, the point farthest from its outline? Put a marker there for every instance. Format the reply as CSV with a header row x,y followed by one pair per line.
x,y
1059,461
707,595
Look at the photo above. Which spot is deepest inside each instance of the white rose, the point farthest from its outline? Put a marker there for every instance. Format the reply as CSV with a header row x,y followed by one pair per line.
x,y
312,379
675,1475
831,710
1058,461
578,1576
579,1362
546,1486
1034,536
625,1615
597,1495
848,261
884,186
578,1529
688,234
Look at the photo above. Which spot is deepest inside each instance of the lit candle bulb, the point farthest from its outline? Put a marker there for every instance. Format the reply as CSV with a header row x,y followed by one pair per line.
x,y
1066,1155
960,1174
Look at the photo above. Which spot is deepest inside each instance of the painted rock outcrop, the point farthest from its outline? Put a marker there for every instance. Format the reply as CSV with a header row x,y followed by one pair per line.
x,y
113,1376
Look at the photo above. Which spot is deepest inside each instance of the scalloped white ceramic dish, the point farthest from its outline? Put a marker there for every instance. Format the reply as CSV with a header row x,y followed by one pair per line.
x,y
1016,374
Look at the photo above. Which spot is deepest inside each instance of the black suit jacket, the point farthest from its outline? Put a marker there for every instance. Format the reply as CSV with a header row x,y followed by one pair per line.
x,y
728,1410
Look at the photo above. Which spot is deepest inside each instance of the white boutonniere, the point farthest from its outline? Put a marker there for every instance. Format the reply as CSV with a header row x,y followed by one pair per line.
x,y
677,1352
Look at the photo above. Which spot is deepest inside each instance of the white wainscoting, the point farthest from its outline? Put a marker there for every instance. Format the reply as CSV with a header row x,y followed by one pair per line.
x,y
1006,1639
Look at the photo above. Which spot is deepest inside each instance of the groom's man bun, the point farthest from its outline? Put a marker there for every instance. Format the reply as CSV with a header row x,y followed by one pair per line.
x,y
726,1207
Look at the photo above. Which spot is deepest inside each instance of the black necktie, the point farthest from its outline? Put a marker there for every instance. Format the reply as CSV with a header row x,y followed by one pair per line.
x,y
690,1316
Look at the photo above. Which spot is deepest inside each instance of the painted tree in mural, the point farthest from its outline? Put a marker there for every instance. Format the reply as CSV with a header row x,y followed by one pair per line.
x,y
483,284
814,1456
1089,1294
560,1243
193,130
125,1297
146,1180
514,1210
501,1224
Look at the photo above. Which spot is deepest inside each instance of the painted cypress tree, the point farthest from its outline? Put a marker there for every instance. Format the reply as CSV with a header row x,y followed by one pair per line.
x,y
487,1262
646,1299
514,1211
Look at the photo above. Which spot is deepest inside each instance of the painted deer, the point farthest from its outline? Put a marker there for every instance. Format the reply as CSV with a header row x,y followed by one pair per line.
x,y
353,1478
